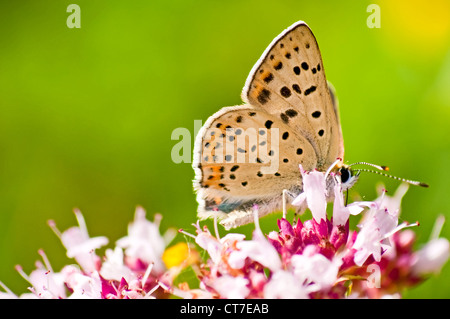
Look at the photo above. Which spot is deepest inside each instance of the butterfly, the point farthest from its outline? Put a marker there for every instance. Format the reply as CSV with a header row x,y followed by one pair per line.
x,y
250,154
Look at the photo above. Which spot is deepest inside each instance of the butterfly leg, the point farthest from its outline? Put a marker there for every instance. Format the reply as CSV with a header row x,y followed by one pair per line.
x,y
346,197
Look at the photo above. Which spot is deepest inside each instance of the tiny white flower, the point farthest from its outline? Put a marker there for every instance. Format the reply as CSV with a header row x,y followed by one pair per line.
x,y
393,203
284,285
258,249
80,246
211,244
231,287
314,192
377,225
113,268
341,212
314,268
47,284
83,286
431,257
144,240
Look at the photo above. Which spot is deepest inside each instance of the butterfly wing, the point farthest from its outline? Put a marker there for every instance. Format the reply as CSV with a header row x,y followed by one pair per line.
x,y
244,156
289,82
287,96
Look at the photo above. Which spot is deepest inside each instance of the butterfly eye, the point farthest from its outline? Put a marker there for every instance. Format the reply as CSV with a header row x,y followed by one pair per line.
x,y
345,174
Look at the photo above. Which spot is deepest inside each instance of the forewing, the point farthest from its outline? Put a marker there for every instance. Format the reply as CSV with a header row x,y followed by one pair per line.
x,y
289,82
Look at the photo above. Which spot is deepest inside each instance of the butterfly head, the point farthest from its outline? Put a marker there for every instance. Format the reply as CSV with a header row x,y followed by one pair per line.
x,y
343,173
347,176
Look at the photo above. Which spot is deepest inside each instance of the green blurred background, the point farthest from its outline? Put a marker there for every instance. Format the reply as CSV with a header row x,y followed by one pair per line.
x,y
86,115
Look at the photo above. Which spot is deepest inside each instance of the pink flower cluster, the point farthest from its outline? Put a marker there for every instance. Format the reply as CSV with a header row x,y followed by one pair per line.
x,y
134,269
317,258
321,257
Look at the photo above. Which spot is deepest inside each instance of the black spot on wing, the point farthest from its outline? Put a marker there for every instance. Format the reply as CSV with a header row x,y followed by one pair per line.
x,y
285,92
278,66
284,118
291,113
316,114
264,96
310,90
296,88
268,78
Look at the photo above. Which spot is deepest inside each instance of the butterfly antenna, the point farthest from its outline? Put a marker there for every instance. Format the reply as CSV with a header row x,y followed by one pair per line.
x,y
416,183
379,167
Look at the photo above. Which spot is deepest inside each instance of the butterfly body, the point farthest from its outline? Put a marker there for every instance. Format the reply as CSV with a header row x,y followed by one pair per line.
x,y
250,154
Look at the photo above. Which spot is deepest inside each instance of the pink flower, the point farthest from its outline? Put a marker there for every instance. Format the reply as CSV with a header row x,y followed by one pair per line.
x,y
329,236
83,286
284,285
231,287
314,193
316,270
79,245
144,243
433,255
430,258
258,249
114,267
45,283
377,226
342,212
